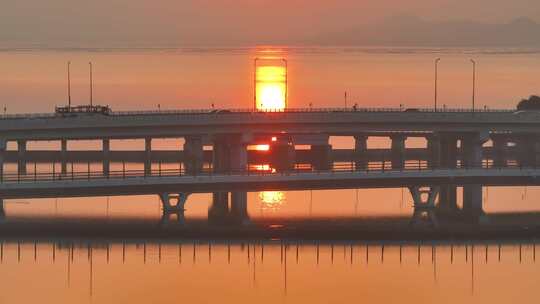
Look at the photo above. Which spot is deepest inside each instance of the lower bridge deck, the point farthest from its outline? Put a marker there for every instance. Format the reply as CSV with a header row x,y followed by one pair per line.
x,y
176,181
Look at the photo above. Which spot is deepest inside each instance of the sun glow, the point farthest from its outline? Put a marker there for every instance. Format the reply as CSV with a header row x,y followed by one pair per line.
x,y
264,147
272,200
270,87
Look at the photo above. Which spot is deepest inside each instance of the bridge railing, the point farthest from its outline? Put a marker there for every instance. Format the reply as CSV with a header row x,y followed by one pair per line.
x,y
223,111
377,167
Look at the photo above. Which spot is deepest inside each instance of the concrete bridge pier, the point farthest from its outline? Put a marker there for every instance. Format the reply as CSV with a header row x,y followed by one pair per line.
x,y
360,151
448,151
434,151
21,149
3,147
283,154
446,158
472,149
238,157
147,156
500,145
238,212
230,153
321,156
424,204
106,147
528,150
173,202
219,209
220,164
221,156
472,201
193,155
398,151
472,158
447,199
63,156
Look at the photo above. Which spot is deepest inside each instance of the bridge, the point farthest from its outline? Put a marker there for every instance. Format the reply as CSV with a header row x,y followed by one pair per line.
x,y
464,148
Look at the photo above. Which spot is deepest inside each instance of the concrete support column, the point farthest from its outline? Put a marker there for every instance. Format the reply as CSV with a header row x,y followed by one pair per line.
x,y
472,200
472,158
63,155
21,148
527,151
180,202
282,153
238,157
434,151
3,148
106,156
398,151
448,151
448,199
471,146
229,155
321,157
360,152
424,204
193,155
499,151
147,156
239,211
220,157
447,159
219,209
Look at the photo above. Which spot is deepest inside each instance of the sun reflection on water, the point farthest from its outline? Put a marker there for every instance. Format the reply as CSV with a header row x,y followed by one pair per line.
x,y
272,200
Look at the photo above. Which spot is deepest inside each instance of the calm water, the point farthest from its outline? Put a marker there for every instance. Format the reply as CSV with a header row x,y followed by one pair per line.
x,y
269,272
133,270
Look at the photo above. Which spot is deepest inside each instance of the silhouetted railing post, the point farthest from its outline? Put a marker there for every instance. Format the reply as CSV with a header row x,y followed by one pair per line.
x,y
35,171
123,169
53,170
88,170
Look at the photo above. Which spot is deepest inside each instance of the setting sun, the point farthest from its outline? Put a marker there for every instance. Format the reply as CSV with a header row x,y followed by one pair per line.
x,y
271,87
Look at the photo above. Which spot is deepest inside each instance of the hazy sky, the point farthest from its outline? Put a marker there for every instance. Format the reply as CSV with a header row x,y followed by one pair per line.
x,y
204,22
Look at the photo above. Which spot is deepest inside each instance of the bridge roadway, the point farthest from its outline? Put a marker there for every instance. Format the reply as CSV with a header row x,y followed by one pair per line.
x,y
340,121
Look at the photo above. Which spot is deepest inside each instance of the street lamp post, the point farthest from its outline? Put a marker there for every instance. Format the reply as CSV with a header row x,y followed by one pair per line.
x,y
436,80
69,83
91,85
473,83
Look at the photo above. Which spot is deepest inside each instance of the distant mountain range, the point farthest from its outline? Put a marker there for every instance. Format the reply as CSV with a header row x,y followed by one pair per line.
x,y
414,31
399,31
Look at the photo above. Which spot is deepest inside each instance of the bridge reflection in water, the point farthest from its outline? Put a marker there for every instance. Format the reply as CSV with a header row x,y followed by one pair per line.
x,y
275,268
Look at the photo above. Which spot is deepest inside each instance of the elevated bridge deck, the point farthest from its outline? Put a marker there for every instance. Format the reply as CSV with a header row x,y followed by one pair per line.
x,y
174,181
335,121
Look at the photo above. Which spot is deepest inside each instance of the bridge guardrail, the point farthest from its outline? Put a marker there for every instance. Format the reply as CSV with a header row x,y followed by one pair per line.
x,y
250,110
34,177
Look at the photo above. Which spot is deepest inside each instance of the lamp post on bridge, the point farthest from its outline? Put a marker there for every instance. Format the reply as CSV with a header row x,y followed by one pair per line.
x,y
473,83
91,84
436,80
